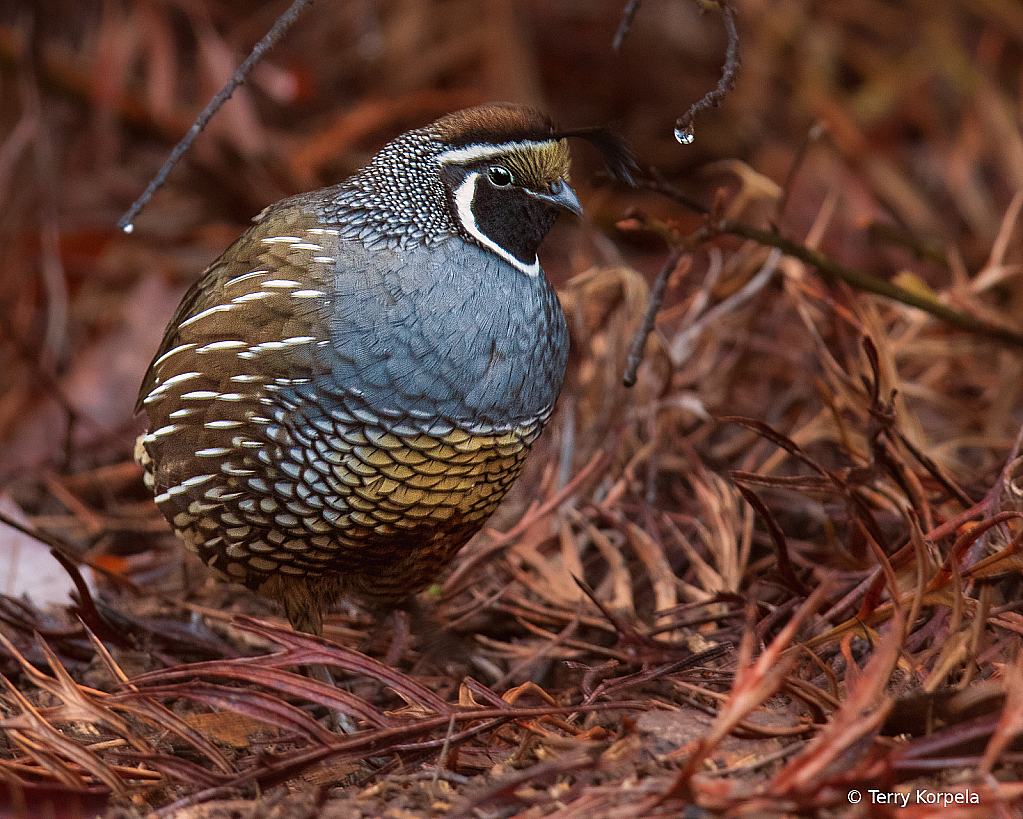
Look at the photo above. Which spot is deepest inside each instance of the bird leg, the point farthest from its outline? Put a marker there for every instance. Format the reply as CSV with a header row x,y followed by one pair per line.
x,y
305,615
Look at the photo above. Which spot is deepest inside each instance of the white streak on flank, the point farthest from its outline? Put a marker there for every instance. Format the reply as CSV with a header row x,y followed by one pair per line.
x,y
180,489
324,232
222,424
290,240
166,385
220,308
471,153
197,480
279,283
179,349
221,493
307,294
323,259
181,413
245,378
464,195
251,297
170,429
230,396
298,340
307,246
220,345
180,378
211,452
200,395
245,276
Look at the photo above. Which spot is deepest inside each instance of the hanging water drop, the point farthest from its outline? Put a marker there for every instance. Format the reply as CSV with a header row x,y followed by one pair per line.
x,y
128,228
685,135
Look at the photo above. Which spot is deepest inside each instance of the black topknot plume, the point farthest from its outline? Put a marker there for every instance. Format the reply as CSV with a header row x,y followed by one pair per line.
x,y
616,152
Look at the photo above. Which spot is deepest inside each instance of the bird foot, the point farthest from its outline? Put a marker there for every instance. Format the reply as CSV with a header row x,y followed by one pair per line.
x,y
340,722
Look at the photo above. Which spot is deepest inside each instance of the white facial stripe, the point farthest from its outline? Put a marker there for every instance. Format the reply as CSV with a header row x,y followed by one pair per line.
x,y
464,194
472,153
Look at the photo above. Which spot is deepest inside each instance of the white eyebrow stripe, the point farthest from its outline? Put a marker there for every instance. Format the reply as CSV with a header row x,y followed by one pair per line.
x,y
471,153
464,194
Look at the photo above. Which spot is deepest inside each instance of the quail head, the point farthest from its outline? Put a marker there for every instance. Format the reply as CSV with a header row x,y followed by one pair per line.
x,y
346,394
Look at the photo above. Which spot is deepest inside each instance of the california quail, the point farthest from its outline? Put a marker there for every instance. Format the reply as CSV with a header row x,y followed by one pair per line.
x,y
347,393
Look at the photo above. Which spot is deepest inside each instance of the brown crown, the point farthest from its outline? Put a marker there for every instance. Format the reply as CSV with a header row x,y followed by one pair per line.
x,y
494,122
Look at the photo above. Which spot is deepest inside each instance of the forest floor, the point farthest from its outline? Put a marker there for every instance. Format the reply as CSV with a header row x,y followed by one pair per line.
x,y
780,576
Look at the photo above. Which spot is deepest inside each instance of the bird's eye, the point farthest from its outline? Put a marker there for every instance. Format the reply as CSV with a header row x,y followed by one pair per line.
x,y
501,177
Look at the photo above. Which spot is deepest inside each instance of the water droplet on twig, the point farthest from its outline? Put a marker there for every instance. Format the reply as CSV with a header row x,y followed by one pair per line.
x,y
685,135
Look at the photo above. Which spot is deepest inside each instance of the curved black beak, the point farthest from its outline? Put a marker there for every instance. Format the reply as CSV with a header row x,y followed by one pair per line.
x,y
561,196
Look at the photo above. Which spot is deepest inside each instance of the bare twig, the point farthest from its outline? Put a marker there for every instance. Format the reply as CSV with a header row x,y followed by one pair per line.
x,y
656,296
628,15
872,284
826,265
684,124
282,24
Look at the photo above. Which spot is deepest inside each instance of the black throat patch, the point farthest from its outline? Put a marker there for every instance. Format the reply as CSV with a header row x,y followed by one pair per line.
x,y
512,219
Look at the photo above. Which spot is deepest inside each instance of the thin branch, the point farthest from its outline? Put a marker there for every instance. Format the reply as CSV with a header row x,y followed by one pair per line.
x,y
628,15
684,124
826,265
282,24
656,297
872,284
